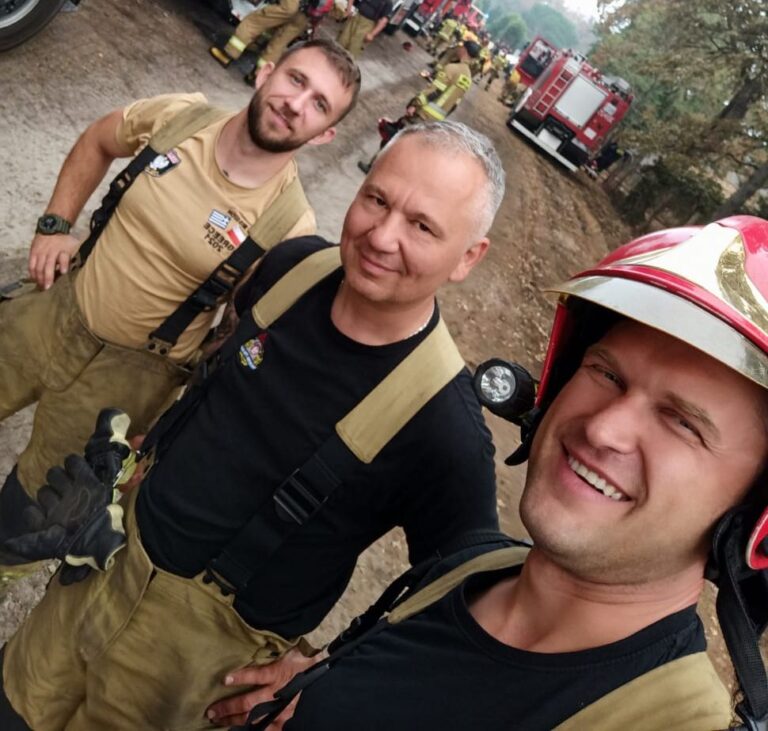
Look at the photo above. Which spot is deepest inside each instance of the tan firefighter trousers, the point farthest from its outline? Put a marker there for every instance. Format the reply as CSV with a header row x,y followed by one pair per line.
x,y
285,17
353,32
48,355
132,648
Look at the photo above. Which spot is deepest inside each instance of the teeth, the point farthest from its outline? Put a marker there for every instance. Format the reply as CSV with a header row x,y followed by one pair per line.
x,y
597,482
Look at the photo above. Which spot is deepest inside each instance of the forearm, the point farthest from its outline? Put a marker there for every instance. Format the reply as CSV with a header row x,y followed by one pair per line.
x,y
381,23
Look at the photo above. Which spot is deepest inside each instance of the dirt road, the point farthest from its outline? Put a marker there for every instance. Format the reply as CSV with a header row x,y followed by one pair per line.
x,y
109,52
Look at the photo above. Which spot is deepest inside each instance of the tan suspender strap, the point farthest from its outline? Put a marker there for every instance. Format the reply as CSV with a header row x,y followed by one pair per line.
x,y
384,411
683,695
293,284
183,125
274,224
493,560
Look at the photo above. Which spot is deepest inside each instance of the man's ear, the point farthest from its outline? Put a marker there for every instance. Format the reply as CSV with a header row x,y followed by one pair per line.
x,y
469,259
263,74
324,137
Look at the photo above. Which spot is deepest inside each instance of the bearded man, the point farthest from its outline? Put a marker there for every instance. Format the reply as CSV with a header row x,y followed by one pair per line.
x,y
124,327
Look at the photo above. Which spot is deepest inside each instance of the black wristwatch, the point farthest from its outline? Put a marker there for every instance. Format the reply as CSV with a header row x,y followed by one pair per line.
x,y
49,224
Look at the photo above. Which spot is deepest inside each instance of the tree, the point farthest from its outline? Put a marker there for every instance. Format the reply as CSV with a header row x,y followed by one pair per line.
x,y
509,29
552,24
700,73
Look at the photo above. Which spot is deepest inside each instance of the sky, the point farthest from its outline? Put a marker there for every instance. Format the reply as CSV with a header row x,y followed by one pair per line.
x,y
587,8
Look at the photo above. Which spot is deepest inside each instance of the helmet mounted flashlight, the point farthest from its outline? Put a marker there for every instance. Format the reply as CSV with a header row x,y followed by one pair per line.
x,y
505,389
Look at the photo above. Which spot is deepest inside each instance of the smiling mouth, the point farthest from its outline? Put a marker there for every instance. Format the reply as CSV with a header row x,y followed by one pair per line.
x,y
595,481
282,118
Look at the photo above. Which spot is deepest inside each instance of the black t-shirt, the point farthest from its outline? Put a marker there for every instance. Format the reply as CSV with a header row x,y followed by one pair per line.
x,y
440,671
374,9
272,402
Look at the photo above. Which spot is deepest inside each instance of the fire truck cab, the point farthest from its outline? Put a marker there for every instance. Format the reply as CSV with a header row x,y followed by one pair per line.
x,y
572,109
534,58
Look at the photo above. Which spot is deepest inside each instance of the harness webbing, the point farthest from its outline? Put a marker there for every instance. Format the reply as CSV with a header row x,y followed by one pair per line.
x,y
178,128
643,704
270,228
357,438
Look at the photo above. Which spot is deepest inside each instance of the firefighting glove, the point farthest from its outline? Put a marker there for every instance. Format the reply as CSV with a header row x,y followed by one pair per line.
x,y
74,517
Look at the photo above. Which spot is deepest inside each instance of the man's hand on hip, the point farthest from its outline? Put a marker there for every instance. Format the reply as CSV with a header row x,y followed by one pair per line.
x,y
49,254
269,679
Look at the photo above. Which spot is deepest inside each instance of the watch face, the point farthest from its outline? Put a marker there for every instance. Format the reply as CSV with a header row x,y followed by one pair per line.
x,y
48,223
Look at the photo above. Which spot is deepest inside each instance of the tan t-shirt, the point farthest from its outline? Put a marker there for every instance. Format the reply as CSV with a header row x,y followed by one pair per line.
x,y
175,224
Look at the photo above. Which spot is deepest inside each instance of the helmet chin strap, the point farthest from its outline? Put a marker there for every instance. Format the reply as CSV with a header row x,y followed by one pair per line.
x,y
742,610
528,428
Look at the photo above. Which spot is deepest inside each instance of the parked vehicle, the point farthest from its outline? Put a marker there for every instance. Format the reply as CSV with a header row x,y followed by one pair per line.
x,y
572,109
21,19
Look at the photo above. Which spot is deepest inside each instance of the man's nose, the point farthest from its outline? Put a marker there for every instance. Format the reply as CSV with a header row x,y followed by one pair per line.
x,y
298,101
617,424
384,235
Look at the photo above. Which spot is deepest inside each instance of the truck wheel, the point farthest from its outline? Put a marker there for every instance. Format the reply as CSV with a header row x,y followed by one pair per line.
x,y
21,19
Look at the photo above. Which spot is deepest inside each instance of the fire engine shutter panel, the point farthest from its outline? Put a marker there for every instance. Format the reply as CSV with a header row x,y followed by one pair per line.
x,y
580,101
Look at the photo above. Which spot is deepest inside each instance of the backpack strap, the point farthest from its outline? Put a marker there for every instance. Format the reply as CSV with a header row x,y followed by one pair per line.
x,y
643,704
183,125
357,438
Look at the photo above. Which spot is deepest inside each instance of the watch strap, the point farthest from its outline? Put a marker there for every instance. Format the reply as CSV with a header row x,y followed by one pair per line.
x,y
52,223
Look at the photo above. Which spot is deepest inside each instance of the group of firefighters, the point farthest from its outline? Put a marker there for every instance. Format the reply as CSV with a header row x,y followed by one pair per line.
x,y
267,404
462,54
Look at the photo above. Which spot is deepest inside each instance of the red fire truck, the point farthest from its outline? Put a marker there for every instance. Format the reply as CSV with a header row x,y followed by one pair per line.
x,y
571,109
534,58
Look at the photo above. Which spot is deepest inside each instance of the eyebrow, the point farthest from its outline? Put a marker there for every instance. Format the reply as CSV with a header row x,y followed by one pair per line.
x,y
418,215
689,409
319,94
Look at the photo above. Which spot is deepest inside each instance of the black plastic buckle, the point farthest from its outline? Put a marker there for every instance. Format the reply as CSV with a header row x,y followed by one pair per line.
x,y
296,501
211,577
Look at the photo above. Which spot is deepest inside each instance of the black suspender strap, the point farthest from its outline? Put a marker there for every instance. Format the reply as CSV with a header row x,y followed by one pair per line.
x,y
271,227
178,128
206,297
109,202
297,500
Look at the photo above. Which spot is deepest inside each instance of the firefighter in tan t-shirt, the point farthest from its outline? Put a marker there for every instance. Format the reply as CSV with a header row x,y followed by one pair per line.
x,y
82,341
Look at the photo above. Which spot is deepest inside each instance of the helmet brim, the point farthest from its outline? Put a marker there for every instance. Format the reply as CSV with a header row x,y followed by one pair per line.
x,y
669,313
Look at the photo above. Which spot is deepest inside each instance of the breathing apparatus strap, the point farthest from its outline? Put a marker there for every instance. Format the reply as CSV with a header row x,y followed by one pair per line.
x,y
183,125
272,226
357,438
742,610
401,599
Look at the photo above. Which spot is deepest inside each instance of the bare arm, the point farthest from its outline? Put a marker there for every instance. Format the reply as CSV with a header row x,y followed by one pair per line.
x,y
381,23
82,171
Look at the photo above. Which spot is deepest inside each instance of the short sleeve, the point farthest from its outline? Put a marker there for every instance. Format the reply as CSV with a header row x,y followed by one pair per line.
x,y
144,117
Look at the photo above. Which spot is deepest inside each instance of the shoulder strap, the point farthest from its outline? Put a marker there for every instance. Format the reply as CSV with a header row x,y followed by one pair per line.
x,y
270,228
175,130
417,602
433,592
183,125
358,437
296,282
644,704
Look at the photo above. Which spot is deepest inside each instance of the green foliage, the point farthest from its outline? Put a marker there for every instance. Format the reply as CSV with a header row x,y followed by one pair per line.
x,y
552,24
676,194
510,29
699,72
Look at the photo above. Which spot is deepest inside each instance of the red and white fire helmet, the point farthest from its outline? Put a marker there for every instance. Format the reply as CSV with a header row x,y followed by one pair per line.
x,y
706,286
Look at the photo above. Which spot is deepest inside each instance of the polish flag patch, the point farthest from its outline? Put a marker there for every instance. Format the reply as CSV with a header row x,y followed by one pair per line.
x,y
236,235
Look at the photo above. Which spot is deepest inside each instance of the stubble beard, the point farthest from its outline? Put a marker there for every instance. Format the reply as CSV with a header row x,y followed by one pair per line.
x,y
261,140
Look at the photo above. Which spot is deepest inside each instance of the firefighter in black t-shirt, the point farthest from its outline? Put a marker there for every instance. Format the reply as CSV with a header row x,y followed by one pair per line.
x,y
365,20
647,472
266,483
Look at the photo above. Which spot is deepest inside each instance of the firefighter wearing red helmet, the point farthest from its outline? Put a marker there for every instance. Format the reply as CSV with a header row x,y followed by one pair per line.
x,y
647,453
